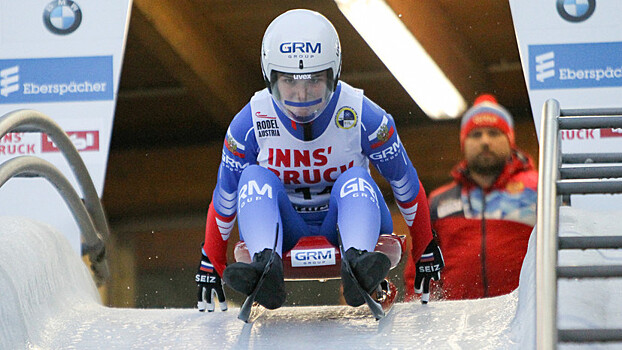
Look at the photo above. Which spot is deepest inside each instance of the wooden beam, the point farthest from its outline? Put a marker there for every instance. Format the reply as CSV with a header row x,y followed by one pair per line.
x,y
446,46
191,51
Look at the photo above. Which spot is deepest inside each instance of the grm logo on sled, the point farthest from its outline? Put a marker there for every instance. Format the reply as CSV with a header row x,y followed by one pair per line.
x,y
313,257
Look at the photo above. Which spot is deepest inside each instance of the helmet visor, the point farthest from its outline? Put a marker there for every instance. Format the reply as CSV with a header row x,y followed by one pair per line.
x,y
302,97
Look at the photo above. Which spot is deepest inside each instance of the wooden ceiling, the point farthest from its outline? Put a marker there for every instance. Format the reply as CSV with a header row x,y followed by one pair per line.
x,y
191,65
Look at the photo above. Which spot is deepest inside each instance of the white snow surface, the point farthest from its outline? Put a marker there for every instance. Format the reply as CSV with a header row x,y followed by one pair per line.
x,y
49,301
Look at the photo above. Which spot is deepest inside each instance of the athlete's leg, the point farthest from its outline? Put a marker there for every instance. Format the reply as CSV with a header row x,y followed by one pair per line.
x,y
358,207
262,203
362,215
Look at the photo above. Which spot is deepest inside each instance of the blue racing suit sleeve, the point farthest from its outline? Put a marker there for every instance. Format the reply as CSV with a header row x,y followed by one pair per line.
x,y
239,150
382,145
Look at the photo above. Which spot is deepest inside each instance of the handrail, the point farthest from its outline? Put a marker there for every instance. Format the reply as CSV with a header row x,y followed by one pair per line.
x,y
33,121
546,229
592,178
28,166
26,120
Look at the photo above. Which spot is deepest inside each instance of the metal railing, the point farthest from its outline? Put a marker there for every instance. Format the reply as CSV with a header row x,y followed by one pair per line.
x,y
89,214
555,181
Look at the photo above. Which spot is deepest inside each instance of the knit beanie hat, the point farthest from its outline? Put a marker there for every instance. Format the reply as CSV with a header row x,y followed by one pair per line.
x,y
486,112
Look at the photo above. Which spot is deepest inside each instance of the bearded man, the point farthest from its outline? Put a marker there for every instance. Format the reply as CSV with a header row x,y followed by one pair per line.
x,y
484,217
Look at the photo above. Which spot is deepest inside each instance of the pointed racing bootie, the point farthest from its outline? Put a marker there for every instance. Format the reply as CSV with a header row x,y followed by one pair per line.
x,y
369,269
244,277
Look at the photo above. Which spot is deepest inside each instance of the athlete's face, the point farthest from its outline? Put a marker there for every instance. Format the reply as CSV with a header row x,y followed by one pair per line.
x,y
302,95
487,150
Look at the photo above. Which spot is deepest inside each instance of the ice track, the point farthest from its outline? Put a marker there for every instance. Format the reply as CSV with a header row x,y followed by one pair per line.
x,y
49,301
479,325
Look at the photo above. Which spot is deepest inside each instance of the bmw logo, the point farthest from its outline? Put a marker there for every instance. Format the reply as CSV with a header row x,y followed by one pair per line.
x,y
576,10
62,16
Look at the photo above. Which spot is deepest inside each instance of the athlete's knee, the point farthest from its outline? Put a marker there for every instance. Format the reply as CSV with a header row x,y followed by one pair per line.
x,y
255,171
352,173
259,175
259,181
357,182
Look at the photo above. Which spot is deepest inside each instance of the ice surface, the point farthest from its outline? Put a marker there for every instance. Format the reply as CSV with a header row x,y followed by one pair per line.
x,y
452,325
50,302
40,275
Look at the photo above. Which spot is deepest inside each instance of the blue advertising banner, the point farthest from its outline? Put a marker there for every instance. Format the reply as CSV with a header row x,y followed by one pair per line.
x,y
56,79
572,66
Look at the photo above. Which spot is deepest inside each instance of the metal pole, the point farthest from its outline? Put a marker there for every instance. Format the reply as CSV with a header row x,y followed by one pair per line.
x,y
30,166
26,120
546,230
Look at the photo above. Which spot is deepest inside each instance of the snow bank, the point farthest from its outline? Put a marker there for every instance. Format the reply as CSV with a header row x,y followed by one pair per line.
x,y
523,326
40,275
582,303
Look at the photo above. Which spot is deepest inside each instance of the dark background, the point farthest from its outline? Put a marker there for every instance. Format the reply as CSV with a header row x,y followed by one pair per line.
x,y
190,66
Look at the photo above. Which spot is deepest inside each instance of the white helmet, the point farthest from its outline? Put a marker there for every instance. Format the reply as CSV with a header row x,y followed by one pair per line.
x,y
299,43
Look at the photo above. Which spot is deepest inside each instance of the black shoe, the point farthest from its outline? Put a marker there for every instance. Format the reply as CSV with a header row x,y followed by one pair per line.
x,y
244,277
369,269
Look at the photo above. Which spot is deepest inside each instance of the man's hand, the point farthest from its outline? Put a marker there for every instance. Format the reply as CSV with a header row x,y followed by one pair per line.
x,y
210,287
428,268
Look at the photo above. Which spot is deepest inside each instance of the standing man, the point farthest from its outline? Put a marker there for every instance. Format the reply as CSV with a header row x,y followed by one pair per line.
x,y
484,217
297,157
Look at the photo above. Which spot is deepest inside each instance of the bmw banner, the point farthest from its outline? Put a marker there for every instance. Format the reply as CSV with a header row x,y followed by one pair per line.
x,y
62,58
571,50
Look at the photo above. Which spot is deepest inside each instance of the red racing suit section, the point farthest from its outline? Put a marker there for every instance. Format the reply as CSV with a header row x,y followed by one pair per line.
x,y
483,234
217,242
422,224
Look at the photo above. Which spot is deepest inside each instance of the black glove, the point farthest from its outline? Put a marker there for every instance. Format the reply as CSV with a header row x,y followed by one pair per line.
x,y
210,286
428,268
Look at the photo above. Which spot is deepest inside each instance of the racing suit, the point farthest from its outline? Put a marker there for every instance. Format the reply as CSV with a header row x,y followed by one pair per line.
x,y
306,160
